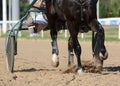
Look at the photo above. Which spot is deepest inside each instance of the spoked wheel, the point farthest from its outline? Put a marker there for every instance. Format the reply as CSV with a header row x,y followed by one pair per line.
x,y
11,51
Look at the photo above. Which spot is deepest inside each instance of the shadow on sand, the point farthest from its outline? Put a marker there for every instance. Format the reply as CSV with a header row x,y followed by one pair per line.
x,y
34,70
112,69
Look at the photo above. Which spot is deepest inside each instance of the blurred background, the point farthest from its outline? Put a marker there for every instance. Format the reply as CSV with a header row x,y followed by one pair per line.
x,y
108,15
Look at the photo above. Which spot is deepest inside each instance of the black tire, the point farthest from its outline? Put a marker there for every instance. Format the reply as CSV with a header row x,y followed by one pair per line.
x,y
11,52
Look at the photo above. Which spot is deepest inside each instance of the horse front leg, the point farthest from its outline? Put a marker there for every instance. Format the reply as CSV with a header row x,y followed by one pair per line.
x,y
55,51
99,51
70,52
103,52
77,50
74,29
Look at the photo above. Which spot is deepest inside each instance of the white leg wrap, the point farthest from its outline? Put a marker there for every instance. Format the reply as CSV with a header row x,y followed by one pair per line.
x,y
80,71
55,58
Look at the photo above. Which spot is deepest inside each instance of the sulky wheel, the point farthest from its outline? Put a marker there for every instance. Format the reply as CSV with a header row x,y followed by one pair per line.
x,y
10,51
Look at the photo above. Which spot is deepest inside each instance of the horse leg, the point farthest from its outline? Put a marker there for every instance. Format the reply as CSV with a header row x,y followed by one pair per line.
x,y
99,47
74,29
103,51
77,50
97,61
55,51
70,52
52,18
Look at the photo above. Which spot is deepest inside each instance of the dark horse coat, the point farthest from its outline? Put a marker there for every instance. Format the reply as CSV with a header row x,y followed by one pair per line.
x,y
79,16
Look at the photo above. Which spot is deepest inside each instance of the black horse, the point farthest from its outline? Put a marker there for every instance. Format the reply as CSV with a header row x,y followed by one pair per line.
x,y
80,16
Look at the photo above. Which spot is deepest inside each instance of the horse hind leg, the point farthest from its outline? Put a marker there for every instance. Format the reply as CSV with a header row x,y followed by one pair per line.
x,y
70,52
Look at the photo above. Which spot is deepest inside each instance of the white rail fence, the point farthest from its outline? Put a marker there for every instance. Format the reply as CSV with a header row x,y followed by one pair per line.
x,y
104,21
6,25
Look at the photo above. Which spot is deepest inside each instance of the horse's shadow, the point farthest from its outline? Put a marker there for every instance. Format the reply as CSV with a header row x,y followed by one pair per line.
x,y
108,70
34,70
112,69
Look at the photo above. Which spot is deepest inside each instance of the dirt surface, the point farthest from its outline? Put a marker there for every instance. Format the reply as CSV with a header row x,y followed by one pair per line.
x,y
33,66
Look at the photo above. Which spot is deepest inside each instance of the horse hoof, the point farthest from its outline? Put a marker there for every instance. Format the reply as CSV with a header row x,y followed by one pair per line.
x,y
98,63
55,64
55,60
104,57
99,69
80,71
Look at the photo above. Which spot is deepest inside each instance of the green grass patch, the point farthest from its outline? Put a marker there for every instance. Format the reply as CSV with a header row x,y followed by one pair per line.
x,y
111,34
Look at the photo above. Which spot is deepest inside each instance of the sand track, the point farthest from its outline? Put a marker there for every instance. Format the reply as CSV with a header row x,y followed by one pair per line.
x,y
33,66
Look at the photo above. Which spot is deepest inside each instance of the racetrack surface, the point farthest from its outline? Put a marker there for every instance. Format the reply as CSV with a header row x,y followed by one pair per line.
x,y
33,66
